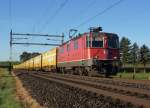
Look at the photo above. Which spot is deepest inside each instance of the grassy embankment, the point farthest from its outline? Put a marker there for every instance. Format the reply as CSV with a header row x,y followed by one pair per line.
x,y
138,76
7,91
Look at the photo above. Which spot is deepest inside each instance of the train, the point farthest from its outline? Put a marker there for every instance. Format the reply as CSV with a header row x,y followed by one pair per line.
x,y
93,52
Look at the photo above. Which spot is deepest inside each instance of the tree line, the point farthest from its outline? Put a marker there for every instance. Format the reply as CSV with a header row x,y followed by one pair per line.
x,y
133,54
27,55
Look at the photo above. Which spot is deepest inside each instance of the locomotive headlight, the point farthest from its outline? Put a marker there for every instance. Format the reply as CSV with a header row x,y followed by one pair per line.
x,y
105,51
96,57
115,57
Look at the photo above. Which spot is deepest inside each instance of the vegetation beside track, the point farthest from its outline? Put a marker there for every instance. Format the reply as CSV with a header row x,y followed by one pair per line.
x,y
131,75
7,91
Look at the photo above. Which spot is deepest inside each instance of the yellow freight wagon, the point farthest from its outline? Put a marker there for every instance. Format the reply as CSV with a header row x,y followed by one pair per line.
x,y
49,60
27,65
37,62
20,66
30,66
15,66
23,65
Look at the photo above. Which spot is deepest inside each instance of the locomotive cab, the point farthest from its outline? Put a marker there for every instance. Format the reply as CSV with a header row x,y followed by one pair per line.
x,y
90,53
104,51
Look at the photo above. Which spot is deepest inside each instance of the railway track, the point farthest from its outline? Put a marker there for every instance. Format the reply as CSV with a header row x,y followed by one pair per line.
x,y
135,96
145,85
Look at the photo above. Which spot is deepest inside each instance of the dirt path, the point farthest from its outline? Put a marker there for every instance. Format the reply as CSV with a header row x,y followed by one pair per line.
x,y
23,95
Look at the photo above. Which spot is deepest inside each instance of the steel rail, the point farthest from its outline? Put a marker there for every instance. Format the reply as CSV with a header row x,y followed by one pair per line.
x,y
134,100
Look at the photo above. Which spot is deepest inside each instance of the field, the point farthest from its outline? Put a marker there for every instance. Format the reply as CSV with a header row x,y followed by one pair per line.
x,y
7,91
138,76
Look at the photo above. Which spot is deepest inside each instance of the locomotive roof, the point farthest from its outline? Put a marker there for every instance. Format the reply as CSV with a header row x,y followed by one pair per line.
x,y
80,35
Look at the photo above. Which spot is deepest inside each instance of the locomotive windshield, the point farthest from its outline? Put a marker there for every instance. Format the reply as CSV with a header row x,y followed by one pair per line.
x,y
97,41
113,41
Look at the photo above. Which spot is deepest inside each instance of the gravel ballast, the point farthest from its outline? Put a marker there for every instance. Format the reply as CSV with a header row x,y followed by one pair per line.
x,y
55,95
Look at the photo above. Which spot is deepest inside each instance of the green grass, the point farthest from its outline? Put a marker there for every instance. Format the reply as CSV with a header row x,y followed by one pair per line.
x,y
138,76
138,65
7,91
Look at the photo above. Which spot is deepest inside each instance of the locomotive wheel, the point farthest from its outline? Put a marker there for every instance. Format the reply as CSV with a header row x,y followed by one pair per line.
x,y
76,71
80,72
105,71
71,72
89,72
62,70
85,73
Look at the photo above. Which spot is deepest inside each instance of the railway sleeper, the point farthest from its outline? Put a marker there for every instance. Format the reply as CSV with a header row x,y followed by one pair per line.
x,y
128,93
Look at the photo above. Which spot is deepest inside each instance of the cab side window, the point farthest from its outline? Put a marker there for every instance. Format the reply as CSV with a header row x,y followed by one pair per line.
x,y
68,47
88,41
97,41
76,44
61,50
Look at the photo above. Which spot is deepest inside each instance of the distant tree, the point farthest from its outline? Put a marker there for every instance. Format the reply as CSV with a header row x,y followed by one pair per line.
x,y
26,56
7,63
34,54
149,55
135,54
144,55
125,51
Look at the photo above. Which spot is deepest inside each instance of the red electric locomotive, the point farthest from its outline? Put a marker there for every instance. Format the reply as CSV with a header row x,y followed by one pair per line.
x,y
90,53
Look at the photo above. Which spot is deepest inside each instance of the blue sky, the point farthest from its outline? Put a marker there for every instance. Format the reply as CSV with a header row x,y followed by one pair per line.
x,y
131,18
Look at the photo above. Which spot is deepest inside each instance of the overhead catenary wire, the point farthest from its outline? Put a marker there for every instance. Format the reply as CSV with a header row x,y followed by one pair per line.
x,y
88,6
99,13
43,15
51,18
